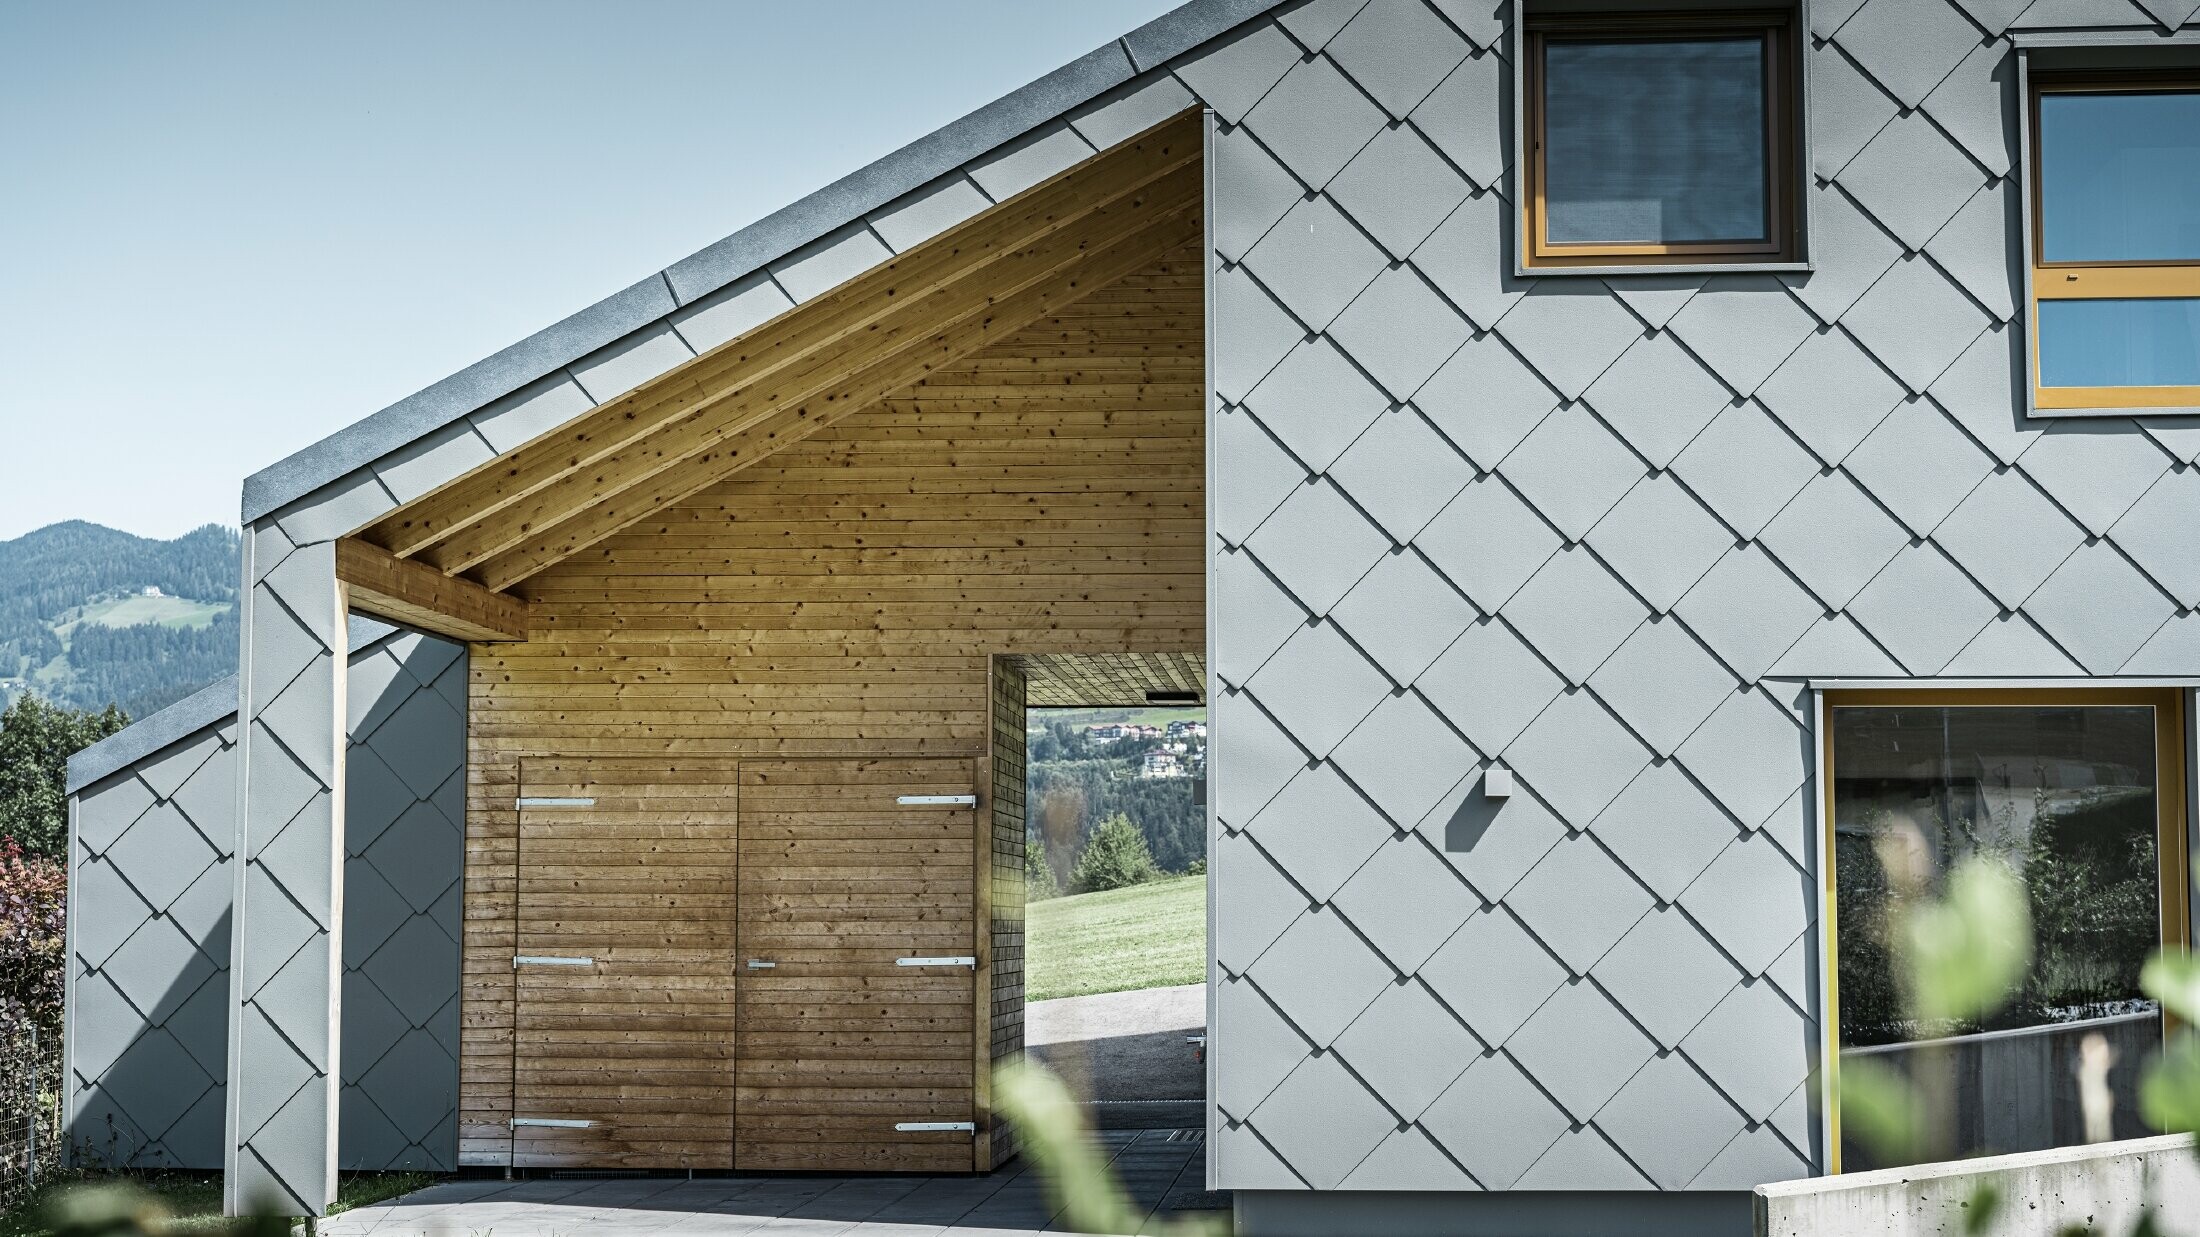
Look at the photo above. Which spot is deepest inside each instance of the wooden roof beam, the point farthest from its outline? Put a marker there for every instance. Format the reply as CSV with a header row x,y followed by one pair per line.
x,y
859,312
402,591
639,483
670,481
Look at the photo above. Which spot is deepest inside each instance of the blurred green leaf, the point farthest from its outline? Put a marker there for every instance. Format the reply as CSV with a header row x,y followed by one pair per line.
x,y
1968,951
1879,1110
1071,1165
2169,1094
2174,980
119,1210
1980,1209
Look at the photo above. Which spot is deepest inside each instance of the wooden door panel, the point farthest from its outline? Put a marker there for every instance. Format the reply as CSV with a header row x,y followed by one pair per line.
x,y
839,882
639,1043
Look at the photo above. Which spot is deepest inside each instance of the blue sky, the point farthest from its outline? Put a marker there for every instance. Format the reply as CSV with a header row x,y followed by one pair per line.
x,y
231,229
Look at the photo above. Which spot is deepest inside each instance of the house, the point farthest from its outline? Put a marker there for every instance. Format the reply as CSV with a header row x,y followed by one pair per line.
x,y
1106,732
151,590
1160,763
1579,454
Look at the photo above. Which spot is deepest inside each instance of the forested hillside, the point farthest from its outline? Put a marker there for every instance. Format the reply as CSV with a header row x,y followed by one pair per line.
x,y
78,626
1073,783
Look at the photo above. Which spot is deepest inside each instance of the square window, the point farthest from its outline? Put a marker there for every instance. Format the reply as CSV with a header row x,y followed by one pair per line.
x,y
1659,141
2078,794
2116,243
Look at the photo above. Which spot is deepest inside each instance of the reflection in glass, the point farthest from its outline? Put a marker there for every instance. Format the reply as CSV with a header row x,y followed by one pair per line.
x,y
2119,342
2118,176
1654,141
2066,797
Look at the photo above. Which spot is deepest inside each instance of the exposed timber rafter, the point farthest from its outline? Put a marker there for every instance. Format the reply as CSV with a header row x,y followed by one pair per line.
x,y
996,273
419,596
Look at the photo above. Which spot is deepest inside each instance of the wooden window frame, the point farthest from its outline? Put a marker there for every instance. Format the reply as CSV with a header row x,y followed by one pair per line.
x,y
1783,103
2156,279
2173,767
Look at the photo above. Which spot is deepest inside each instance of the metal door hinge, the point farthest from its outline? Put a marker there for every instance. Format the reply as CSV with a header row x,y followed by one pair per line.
x,y
937,800
520,960
554,801
761,964
552,1123
929,1127
935,962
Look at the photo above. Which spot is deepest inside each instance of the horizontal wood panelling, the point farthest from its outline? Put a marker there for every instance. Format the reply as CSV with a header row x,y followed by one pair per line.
x,y
642,1041
843,598
828,912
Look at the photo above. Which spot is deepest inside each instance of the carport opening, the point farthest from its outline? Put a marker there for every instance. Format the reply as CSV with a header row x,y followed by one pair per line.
x,y
1114,758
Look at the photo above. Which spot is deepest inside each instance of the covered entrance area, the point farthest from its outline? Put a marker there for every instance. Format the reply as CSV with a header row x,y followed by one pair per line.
x,y
752,645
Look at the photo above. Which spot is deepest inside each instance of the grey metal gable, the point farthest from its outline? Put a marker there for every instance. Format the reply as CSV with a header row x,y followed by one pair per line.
x,y
1598,532
153,811
716,293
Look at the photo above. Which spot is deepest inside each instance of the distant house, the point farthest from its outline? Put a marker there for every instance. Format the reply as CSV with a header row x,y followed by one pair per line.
x,y
1106,733
1161,764
152,590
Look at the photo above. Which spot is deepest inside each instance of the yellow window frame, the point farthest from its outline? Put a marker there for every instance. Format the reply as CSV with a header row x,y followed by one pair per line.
x,y
2057,281
2172,852
1782,106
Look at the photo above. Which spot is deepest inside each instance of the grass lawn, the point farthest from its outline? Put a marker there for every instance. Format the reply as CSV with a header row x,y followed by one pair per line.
x,y
1146,936
195,1199
166,611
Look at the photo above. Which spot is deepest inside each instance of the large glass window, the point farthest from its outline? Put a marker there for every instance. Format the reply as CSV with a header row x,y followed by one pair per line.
x,y
2116,244
2081,795
1665,141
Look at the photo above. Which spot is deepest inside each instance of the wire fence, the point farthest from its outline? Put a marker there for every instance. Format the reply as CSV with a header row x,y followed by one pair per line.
x,y
30,1108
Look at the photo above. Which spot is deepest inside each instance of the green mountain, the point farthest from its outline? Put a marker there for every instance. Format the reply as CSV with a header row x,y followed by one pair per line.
x,y
90,616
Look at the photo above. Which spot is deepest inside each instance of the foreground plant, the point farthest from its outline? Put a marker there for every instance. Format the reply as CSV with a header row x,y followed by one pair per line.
x,y
1961,956
1069,1162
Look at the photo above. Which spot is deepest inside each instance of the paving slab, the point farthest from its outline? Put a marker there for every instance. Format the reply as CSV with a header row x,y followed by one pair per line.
x,y
1164,1171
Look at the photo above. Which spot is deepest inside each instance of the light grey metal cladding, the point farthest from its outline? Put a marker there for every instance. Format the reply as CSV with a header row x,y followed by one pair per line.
x,y
151,880
1642,509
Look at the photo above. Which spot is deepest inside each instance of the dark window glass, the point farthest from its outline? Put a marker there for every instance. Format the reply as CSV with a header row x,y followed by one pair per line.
x,y
2119,176
2066,797
1657,141
2121,342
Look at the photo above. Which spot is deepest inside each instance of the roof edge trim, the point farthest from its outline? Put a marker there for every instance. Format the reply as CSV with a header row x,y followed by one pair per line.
x,y
716,265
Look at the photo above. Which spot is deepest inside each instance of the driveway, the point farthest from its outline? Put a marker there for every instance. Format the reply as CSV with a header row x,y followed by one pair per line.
x,y
1164,1171
1124,1052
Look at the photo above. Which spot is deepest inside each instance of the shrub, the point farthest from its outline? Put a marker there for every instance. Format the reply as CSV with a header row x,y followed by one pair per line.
x,y
1117,856
36,741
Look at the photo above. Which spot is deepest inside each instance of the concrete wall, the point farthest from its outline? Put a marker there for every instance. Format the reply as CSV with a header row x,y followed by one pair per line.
x,y
1598,531
151,872
2101,1188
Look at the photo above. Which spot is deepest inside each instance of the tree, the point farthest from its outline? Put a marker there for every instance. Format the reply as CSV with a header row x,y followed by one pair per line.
x,y
1116,856
1038,874
36,741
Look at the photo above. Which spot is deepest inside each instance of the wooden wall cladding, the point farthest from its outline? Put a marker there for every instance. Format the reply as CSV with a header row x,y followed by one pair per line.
x,y
630,864
1005,1006
842,1040
844,596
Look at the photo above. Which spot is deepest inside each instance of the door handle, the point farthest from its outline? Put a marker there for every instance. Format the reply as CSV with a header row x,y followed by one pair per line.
x,y
761,964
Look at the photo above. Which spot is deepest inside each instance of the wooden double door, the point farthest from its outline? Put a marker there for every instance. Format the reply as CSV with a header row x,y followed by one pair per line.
x,y
753,964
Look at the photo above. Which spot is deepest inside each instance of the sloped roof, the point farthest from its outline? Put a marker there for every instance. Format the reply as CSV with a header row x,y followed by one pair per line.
x,y
745,252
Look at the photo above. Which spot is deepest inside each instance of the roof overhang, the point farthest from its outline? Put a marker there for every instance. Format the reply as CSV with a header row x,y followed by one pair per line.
x,y
873,336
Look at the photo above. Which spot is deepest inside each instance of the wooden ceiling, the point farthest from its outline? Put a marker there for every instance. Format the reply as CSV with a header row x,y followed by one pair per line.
x,y
679,433
1107,680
